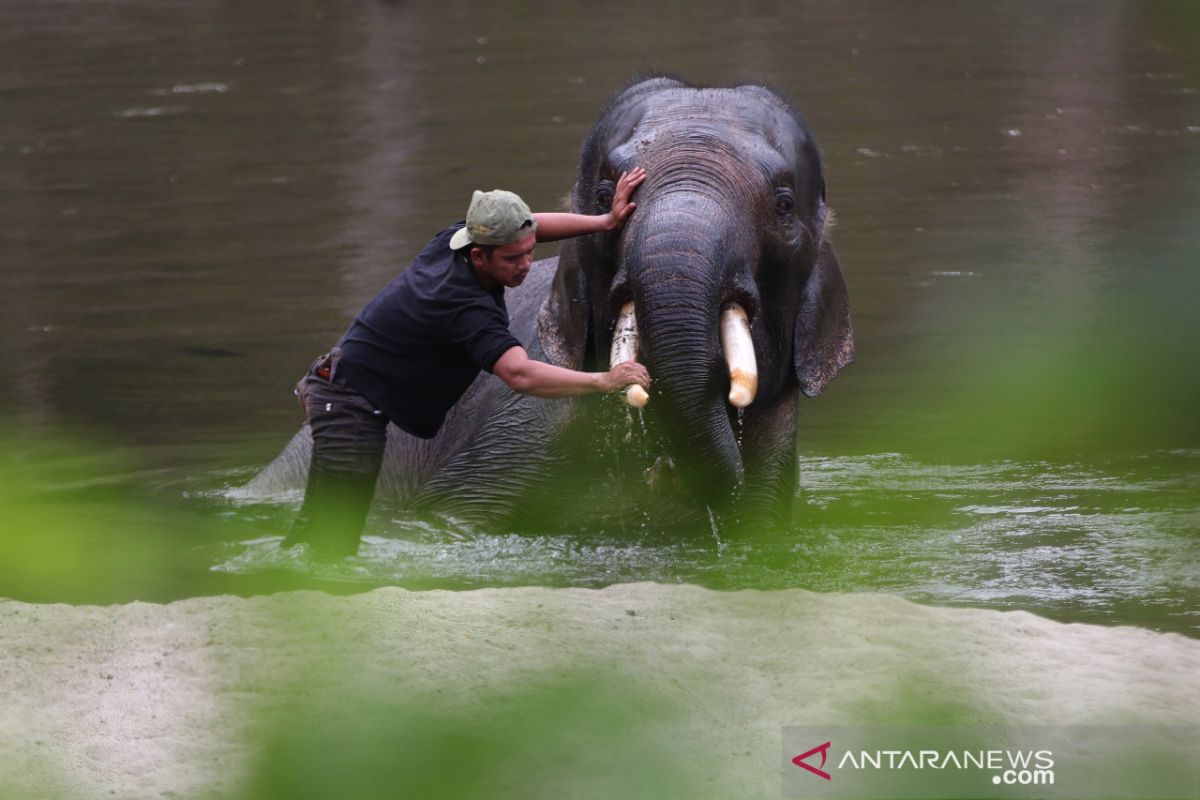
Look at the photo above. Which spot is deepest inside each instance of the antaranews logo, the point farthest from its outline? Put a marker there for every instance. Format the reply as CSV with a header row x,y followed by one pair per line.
x,y
823,749
1011,767
985,763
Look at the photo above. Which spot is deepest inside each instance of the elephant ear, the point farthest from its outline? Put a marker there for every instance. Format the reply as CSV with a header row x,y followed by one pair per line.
x,y
824,340
562,323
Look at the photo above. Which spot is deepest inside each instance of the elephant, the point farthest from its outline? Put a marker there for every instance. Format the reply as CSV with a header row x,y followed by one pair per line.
x,y
731,224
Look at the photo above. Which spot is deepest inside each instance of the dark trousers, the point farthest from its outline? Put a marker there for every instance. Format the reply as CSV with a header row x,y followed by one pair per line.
x,y
348,436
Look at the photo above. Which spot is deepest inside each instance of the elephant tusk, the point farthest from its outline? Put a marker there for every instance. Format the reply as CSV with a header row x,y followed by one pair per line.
x,y
624,348
739,355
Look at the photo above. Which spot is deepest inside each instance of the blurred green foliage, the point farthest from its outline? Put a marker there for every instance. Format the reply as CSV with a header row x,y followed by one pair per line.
x,y
1097,391
1095,359
80,525
73,533
581,735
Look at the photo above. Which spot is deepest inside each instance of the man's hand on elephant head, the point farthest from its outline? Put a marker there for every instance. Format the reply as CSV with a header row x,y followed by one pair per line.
x,y
622,206
627,373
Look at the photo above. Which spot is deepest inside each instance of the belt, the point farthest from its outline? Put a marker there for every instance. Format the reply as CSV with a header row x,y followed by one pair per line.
x,y
326,366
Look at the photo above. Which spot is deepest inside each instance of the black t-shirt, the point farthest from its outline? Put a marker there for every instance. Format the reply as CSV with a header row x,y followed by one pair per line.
x,y
415,348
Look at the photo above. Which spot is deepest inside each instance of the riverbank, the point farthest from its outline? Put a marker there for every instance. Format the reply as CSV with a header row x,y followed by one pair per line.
x,y
200,697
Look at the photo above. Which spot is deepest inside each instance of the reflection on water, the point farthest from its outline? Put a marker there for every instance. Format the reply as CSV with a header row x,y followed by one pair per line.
x,y
198,197
1114,542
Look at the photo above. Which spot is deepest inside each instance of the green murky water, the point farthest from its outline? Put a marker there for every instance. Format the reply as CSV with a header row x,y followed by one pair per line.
x,y
197,199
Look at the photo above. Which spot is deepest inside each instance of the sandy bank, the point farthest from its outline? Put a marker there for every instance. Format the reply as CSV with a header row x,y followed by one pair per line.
x,y
149,700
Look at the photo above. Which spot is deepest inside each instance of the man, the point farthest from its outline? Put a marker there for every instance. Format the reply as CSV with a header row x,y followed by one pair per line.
x,y
411,353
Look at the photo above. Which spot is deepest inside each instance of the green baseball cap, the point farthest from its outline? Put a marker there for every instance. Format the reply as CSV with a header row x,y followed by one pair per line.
x,y
495,217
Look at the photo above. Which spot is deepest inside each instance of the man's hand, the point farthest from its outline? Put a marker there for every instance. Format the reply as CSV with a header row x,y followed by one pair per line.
x,y
527,376
552,226
622,207
625,374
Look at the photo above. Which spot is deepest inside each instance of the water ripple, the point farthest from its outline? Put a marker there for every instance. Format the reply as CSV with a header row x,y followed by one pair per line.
x,y
1100,542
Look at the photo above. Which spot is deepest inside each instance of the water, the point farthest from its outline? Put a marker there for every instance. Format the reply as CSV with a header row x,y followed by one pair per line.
x,y
1114,543
199,198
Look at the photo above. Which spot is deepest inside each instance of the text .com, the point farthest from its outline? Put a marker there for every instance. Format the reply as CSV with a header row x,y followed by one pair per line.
x,y
1025,777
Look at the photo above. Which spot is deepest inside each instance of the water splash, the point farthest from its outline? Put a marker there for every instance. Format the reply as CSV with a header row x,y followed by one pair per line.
x,y
715,528
1091,542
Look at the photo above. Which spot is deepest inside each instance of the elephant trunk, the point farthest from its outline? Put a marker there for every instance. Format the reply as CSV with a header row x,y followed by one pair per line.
x,y
678,281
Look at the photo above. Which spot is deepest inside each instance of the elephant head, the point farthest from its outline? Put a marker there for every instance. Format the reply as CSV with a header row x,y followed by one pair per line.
x,y
732,213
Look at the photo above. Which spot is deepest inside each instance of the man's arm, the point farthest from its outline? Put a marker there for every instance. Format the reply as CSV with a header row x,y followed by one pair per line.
x,y
524,375
552,226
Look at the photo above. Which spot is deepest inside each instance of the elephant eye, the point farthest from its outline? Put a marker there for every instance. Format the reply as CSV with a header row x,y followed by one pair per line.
x,y
604,196
785,203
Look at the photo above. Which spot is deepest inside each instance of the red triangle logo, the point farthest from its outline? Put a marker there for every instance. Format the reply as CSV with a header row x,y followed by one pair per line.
x,y
823,749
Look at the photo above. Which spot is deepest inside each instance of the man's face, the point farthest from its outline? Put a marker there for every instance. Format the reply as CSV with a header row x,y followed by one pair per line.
x,y
508,264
